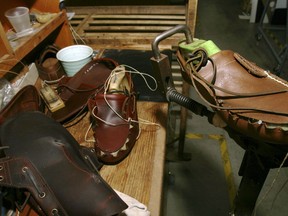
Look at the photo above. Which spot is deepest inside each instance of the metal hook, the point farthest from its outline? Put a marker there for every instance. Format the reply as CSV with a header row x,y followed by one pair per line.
x,y
177,29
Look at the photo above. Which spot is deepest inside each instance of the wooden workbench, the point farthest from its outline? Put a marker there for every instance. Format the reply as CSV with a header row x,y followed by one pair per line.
x,y
140,175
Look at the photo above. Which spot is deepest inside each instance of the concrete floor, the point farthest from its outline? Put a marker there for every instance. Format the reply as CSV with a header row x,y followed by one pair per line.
x,y
206,184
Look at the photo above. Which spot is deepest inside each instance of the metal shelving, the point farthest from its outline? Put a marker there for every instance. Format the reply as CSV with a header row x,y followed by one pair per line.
x,y
279,52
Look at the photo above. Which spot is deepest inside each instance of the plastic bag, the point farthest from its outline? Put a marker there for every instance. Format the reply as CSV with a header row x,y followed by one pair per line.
x,y
6,92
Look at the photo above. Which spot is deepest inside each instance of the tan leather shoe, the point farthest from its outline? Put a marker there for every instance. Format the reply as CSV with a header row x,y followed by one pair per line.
x,y
249,99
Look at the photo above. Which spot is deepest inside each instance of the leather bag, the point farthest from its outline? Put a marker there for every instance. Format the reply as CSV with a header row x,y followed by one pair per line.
x,y
248,99
15,187
43,160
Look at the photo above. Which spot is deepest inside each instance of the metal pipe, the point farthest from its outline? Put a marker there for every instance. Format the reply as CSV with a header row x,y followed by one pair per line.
x,y
177,29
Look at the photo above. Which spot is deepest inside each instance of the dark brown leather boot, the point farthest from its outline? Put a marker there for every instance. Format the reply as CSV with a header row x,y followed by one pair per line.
x,y
115,120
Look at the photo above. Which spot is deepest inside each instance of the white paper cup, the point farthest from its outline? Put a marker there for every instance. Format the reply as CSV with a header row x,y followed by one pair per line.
x,y
19,18
74,57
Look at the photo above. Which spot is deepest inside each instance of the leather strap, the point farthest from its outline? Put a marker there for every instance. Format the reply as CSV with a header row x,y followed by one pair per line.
x,y
252,68
90,158
76,90
20,173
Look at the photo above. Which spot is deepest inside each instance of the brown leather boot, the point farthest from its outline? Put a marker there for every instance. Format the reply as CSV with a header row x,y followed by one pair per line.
x,y
249,99
115,120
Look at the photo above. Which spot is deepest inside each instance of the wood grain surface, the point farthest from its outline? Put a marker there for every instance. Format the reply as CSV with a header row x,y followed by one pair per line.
x,y
140,175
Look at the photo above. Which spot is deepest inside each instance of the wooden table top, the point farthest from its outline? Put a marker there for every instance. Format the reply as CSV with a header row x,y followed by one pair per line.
x,y
140,175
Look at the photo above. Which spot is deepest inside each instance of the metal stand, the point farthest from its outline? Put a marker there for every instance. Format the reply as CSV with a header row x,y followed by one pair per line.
x,y
283,54
253,178
181,155
259,158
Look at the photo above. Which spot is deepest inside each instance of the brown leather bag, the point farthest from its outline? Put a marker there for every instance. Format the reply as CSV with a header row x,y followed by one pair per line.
x,y
248,99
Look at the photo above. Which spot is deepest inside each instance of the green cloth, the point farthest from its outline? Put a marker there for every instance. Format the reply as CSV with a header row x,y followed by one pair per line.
x,y
209,46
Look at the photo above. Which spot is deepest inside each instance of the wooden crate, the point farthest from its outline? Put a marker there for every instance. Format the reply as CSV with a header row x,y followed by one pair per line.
x,y
130,27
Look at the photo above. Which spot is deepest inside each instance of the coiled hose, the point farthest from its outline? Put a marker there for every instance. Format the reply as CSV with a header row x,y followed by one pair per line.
x,y
188,103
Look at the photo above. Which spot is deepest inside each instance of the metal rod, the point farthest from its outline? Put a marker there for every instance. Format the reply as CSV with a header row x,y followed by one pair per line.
x,y
177,29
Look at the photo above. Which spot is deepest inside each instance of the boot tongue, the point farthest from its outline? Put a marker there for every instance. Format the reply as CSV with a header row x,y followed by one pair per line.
x,y
118,82
209,46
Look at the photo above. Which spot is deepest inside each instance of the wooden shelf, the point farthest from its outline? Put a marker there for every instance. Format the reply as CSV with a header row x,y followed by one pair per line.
x,y
57,29
28,43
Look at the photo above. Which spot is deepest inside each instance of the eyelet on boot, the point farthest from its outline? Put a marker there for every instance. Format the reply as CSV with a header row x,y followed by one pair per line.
x,y
55,212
